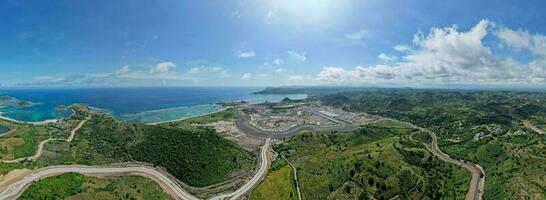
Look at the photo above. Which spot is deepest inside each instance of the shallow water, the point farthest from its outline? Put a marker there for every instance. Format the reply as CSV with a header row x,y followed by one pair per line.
x,y
133,104
3,129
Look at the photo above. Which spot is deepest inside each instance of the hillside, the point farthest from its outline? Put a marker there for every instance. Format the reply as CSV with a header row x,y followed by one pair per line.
x,y
375,162
196,156
484,127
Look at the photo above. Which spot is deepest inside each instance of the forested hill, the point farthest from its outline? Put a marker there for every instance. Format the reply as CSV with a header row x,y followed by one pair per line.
x,y
196,156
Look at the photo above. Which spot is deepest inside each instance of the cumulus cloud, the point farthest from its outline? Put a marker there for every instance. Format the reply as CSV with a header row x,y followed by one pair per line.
x,y
447,55
246,76
386,58
247,54
523,40
278,61
204,69
162,67
279,70
401,48
299,78
297,56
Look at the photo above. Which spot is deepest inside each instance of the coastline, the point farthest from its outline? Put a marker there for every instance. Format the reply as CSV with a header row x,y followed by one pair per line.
x,y
44,122
33,123
184,118
219,109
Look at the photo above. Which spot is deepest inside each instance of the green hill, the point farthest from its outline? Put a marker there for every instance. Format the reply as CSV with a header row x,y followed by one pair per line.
x,y
375,162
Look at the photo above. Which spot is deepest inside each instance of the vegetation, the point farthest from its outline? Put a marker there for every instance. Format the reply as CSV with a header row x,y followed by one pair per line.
x,y
194,155
24,141
199,157
484,127
77,186
374,162
225,115
279,184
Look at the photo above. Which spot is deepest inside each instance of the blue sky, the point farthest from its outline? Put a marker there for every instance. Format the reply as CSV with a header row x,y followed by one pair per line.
x,y
270,43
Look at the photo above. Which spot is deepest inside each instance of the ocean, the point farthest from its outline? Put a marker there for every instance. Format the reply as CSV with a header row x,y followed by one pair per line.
x,y
146,105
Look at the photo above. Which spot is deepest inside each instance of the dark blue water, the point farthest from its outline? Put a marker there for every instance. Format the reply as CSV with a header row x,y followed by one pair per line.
x,y
134,104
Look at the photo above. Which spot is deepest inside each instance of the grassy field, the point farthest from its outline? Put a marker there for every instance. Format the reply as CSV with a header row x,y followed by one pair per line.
x,y
278,185
375,162
225,115
77,186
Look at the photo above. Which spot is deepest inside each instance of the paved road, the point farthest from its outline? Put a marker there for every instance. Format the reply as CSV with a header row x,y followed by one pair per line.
x,y
15,189
477,183
244,125
475,192
262,171
43,143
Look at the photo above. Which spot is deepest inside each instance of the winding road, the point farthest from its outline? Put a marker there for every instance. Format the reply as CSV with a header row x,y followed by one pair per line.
x,y
244,125
477,183
15,189
264,165
44,142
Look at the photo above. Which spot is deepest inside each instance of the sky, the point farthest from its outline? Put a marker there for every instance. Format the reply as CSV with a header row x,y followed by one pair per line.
x,y
421,43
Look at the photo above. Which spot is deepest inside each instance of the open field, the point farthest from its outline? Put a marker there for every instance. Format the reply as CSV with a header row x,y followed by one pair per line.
x,y
77,186
278,185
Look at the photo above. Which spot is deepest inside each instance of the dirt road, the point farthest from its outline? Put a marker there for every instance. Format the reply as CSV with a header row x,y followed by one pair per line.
x,y
43,143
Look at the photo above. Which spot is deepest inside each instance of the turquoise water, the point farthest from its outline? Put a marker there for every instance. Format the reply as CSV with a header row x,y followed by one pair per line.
x,y
3,129
147,105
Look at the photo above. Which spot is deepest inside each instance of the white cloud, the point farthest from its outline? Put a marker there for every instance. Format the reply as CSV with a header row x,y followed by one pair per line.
x,y
123,70
246,76
387,58
402,48
224,74
358,35
447,55
298,56
299,78
279,70
336,74
159,71
523,40
162,67
204,69
278,61
248,54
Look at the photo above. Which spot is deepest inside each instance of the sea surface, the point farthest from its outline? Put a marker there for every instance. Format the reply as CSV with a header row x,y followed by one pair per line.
x,y
146,105
3,129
